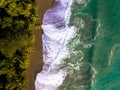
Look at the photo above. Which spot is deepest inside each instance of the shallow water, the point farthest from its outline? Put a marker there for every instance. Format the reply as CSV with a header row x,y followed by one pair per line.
x,y
94,62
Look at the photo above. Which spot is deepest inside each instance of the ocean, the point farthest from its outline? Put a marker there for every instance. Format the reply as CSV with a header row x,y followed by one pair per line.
x,y
84,53
94,61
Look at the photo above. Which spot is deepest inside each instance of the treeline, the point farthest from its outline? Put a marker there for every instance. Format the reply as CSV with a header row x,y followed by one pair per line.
x,y
17,22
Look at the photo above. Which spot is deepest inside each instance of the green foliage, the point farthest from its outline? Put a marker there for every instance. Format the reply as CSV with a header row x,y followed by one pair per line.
x,y
17,22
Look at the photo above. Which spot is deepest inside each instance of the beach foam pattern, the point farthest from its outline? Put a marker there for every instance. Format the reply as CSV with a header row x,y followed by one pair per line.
x,y
55,38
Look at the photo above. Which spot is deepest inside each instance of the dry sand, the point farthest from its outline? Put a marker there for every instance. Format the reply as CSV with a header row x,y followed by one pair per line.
x,y
36,57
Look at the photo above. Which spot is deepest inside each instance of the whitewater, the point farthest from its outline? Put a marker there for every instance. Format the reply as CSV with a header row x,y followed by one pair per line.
x,y
55,38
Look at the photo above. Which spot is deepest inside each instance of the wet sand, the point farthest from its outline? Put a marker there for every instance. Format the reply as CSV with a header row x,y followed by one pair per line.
x,y
36,57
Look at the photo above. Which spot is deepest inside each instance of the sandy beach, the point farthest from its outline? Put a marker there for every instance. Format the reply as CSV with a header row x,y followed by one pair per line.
x,y
36,56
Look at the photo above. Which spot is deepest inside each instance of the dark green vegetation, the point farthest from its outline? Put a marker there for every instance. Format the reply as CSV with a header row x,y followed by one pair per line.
x,y
94,60
17,22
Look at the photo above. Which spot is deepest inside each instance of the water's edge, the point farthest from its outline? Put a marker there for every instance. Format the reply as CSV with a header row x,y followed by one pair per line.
x,y
54,47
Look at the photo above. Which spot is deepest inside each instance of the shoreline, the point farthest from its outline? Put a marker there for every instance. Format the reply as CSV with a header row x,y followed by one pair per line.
x,y
36,60
49,78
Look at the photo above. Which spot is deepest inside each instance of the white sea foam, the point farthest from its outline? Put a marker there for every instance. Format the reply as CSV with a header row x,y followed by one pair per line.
x,y
54,51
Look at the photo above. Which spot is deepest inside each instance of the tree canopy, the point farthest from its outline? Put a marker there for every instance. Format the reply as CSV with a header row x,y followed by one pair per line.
x,y
17,22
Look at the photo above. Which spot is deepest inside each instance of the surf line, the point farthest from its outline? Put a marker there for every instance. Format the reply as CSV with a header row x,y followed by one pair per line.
x,y
54,45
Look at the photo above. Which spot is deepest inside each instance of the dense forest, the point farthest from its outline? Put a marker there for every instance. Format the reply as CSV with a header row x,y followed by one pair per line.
x,y
17,22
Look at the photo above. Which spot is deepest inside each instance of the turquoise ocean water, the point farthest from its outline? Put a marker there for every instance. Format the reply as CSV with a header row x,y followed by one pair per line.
x,y
94,62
